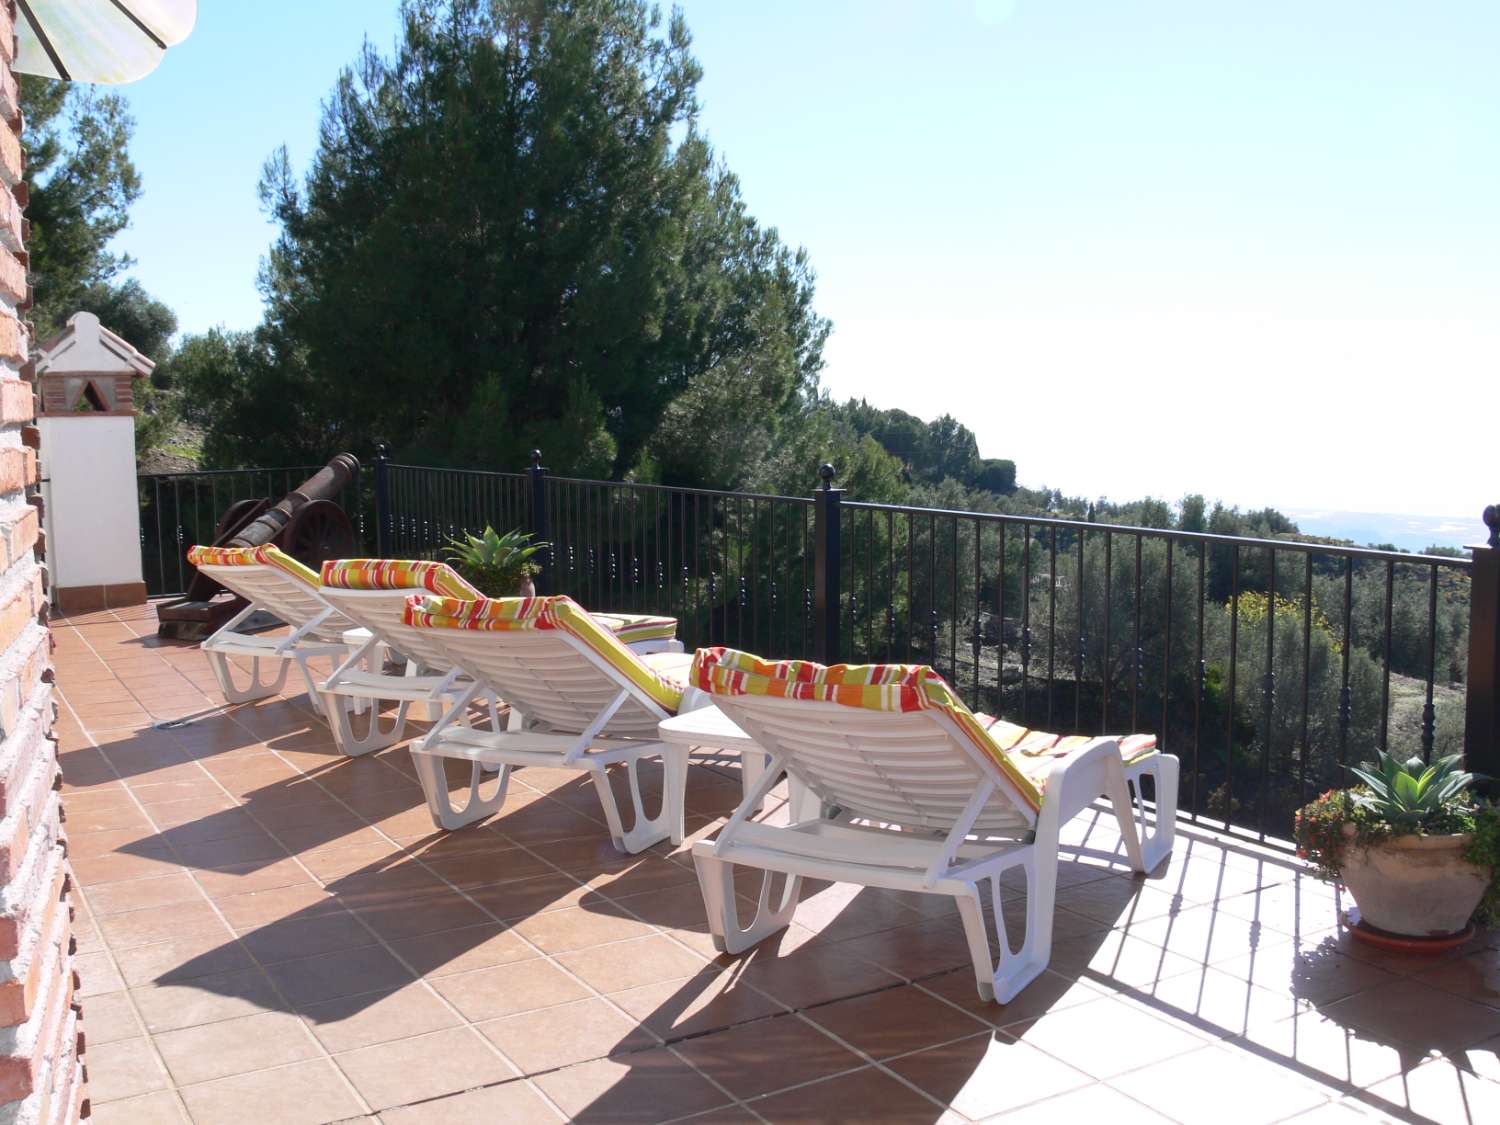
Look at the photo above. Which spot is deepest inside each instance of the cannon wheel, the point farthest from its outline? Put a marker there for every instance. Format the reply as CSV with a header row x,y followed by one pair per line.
x,y
317,531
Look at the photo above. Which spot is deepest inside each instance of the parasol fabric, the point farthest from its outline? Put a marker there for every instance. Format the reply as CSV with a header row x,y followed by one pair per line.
x,y
107,41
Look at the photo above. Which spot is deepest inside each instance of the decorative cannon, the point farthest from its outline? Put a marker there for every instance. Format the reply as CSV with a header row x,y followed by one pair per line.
x,y
305,523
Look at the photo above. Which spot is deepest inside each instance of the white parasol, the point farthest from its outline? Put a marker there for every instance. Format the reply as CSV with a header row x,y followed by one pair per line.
x,y
108,41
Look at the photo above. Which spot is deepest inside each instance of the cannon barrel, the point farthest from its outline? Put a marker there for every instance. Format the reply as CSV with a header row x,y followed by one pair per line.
x,y
325,484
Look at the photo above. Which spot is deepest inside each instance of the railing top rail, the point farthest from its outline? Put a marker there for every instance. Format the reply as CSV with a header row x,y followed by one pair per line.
x,y
638,485
461,472
1181,536
186,473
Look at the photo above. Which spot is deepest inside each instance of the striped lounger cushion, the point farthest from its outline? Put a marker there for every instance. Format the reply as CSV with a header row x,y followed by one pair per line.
x,y
252,556
654,675
1025,756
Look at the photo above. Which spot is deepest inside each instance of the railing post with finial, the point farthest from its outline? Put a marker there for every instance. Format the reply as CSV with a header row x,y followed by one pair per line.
x,y
540,531
1482,705
827,596
383,527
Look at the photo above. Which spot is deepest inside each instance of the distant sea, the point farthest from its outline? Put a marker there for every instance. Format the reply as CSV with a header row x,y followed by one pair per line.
x,y
1409,533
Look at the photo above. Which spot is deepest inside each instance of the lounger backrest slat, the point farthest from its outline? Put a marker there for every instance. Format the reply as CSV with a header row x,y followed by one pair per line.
x,y
889,767
383,612
547,678
278,592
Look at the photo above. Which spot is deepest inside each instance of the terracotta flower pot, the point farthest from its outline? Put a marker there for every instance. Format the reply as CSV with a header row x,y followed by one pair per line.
x,y
1415,886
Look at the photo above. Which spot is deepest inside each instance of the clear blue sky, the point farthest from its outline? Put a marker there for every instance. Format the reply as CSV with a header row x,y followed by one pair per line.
x,y
1140,246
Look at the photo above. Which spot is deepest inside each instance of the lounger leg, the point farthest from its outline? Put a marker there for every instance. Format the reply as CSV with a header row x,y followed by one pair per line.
x,y
1157,844
716,880
1002,980
645,831
315,697
257,688
340,711
434,779
752,765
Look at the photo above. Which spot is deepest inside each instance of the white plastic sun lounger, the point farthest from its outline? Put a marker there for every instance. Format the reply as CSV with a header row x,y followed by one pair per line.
x,y
373,592
918,794
274,582
588,700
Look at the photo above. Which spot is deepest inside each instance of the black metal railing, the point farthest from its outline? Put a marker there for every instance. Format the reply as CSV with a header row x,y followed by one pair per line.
x,y
735,568
424,508
1267,666
179,510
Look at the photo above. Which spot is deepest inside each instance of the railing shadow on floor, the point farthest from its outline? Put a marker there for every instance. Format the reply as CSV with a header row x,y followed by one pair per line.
x,y
1233,943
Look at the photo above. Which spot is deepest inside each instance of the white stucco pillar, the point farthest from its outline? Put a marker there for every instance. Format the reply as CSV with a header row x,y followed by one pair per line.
x,y
93,518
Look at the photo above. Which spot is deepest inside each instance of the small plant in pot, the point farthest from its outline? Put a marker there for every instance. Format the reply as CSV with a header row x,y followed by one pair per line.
x,y
1415,847
498,566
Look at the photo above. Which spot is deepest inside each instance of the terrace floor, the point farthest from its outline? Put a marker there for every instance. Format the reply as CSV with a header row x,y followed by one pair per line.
x,y
271,932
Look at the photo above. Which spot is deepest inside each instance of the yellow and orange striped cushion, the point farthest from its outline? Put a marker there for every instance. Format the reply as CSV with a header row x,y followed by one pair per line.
x,y
426,611
1025,756
633,628
396,574
252,556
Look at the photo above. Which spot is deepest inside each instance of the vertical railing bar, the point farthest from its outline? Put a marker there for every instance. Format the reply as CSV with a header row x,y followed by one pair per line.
x,y
1080,649
1166,657
1346,701
1107,677
161,556
1234,652
978,639
177,522
1268,698
1429,712
932,613
890,587
1385,672
706,626
1051,622
1000,632
1307,603
754,575
1201,676
953,606
1025,622
911,595
1136,654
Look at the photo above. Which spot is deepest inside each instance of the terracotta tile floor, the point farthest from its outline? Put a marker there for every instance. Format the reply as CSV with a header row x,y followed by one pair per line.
x,y
271,932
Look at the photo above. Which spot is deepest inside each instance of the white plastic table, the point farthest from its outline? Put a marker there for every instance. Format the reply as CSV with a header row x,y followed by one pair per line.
x,y
710,727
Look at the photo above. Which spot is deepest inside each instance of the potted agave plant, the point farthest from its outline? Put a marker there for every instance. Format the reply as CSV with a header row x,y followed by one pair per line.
x,y
498,566
1415,847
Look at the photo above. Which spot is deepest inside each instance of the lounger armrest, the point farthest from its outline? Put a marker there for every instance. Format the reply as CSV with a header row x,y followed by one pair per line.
x,y
694,699
1078,779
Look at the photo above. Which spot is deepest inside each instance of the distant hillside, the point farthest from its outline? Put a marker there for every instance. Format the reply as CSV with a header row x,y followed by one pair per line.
x,y
1409,533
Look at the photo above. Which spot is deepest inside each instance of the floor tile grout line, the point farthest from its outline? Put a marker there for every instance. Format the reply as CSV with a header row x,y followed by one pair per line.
x,y
1217,1047
677,858
109,952
879,1064
543,954
897,980
235,937
463,893
378,939
149,712
604,997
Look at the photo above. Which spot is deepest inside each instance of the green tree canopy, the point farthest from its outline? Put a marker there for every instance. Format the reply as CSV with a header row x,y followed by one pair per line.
x,y
513,234
82,185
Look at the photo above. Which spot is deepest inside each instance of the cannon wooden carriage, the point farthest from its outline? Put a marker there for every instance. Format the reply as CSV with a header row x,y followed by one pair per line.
x,y
306,523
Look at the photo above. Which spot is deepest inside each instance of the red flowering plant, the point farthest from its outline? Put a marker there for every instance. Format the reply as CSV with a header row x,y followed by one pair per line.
x,y
1401,799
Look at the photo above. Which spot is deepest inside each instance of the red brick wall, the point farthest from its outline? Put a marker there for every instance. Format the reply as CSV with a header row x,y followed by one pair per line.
x,y
41,1070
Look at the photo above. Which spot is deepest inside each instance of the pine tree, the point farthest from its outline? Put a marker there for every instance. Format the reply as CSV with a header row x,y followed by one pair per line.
x,y
512,234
